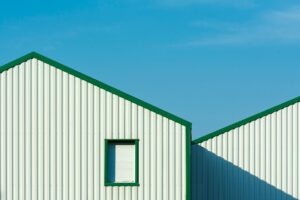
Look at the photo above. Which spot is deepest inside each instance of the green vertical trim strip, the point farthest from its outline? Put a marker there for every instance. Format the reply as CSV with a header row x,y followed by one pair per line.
x,y
105,161
188,162
137,161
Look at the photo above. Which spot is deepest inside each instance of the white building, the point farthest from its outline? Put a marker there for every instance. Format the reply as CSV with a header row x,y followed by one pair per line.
x,y
64,135
256,158
67,136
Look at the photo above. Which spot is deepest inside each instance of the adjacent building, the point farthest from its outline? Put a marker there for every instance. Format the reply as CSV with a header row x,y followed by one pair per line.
x,y
256,158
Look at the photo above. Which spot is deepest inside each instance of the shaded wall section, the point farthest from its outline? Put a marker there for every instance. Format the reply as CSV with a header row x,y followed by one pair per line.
x,y
214,178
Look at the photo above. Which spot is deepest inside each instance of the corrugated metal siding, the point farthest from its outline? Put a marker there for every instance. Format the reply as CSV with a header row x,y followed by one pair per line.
x,y
53,127
259,160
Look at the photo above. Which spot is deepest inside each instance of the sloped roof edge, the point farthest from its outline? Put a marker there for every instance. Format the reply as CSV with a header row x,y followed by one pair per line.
x,y
95,82
247,120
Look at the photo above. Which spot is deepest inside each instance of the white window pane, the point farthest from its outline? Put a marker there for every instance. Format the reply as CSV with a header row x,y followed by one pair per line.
x,y
121,162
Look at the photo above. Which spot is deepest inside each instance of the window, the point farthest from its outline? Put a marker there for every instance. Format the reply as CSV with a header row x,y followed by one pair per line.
x,y
121,163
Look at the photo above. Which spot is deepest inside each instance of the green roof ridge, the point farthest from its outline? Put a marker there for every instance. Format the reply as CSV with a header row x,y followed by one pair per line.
x,y
97,83
246,120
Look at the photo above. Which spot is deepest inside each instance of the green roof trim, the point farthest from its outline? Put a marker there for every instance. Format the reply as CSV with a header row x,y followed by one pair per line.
x,y
95,82
247,120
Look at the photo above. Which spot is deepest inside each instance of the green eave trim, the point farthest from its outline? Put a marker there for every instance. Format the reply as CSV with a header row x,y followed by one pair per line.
x,y
247,120
95,82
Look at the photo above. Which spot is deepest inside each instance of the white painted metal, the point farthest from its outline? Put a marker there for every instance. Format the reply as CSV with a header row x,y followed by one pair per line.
x,y
259,160
53,127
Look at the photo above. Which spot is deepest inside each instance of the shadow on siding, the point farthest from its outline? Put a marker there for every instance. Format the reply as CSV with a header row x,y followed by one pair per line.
x,y
214,178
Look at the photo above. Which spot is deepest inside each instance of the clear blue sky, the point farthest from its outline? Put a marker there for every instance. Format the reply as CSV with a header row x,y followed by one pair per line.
x,y
212,62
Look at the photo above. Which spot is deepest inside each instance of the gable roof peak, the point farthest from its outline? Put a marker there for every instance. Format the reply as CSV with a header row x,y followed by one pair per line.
x,y
95,82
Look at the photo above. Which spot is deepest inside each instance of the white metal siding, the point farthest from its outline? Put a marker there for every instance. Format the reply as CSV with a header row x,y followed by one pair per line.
x,y
53,126
259,160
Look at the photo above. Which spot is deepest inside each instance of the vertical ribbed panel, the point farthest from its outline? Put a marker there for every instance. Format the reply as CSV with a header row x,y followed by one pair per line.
x,y
259,160
53,126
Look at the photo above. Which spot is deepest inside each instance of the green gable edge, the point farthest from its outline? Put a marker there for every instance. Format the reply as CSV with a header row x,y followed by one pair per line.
x,y
95,82
247,120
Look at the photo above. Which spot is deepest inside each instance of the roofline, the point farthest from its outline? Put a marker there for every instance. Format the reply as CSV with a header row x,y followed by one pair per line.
x,y
95,82
247,120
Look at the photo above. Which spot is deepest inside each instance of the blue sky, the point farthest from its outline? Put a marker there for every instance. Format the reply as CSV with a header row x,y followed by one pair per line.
x,y
212,62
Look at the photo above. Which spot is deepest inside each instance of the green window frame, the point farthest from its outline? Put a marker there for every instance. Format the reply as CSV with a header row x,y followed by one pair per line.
x,y
106,167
